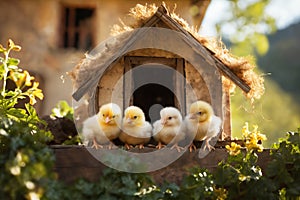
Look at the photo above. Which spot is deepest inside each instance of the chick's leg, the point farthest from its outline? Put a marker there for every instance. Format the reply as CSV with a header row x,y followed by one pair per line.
x,y
208,146
96,145
192,147
128,146
178,148
112,145
141,146
160,145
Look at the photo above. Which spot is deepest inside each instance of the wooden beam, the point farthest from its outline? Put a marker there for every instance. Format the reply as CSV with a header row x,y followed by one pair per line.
x,y
180,85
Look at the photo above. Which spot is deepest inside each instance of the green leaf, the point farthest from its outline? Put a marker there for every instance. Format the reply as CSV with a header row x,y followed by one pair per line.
x,y
2,49
261,43
13,61
63,109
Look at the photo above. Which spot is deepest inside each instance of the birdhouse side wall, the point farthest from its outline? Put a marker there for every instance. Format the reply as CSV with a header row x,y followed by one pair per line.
x,y
110,87
198,87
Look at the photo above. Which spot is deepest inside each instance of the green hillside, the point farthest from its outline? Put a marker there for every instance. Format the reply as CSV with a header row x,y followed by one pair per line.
x,y
283,60
278,111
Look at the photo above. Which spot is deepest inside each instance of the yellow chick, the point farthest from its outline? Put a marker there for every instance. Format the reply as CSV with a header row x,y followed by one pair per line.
x,y
103,127
202,124
167,130
135,130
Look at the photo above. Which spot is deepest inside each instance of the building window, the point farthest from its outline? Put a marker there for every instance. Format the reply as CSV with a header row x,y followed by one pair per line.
x,y
77,28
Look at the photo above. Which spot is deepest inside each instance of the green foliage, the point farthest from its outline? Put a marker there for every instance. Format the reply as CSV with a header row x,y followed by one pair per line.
x,y
200,184
242,178
25,160
111,185
237,177
275,113
284,169
62,109
24,85
250,22
281,62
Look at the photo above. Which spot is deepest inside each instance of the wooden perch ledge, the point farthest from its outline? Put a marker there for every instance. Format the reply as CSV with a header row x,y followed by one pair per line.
x,y
74,162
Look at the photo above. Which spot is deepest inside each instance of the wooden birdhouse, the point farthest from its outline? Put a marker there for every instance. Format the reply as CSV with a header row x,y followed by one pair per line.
x,y
160,60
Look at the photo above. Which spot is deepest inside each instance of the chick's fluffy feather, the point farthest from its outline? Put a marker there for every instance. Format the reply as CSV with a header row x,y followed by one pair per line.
x,y
202,124
135,130
168,129
103,127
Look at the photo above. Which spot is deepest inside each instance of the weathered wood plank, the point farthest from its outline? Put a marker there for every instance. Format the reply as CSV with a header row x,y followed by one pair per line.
x,y
226,115
127,83
73,162
180,86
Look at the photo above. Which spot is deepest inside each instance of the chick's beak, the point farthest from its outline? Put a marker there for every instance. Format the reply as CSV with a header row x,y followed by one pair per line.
x,y
107,120
163,121
193,116
128,121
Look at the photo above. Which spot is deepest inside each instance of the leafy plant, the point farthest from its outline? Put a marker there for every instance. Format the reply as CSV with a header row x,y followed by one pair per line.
x,y
284,169
62,109
25,161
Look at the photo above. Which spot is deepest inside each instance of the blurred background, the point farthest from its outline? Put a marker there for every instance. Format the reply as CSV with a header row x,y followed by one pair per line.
x,y
55,34
269,31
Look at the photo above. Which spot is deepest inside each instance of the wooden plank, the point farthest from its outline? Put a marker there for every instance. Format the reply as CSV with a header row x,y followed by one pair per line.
x,y
127,83
76,162
232,76
141,60
226,115
180,86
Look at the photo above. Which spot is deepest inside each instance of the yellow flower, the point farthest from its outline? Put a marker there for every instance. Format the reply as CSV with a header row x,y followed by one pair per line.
x,y
21,79
28,78
35,92
13,46
245,130
261,136
253,138
234,149
254,141
221,193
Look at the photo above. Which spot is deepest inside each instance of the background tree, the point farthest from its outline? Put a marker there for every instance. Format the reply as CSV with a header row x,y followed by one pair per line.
x,y
245,28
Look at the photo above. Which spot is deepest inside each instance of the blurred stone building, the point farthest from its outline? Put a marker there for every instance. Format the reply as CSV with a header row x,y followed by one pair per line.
x,y
55,34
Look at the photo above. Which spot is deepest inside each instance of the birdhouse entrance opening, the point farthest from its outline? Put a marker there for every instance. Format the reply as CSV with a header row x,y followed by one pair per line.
x,y
153,89
153,83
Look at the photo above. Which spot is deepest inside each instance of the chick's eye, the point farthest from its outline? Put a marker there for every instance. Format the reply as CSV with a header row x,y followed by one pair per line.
x,y
134,117
113,116
169,118
103,115
199,113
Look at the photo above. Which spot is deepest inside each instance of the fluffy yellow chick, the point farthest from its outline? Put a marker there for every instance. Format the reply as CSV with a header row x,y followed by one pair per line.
x,y
135,130
103,127
202,124
168,129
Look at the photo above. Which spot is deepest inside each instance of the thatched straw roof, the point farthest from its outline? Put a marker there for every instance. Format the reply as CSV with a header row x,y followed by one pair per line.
x,y
239,66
